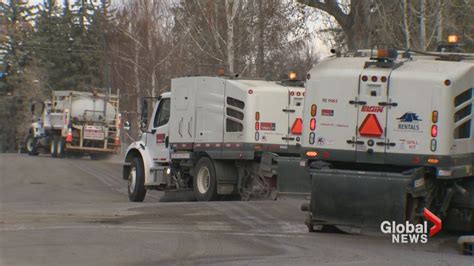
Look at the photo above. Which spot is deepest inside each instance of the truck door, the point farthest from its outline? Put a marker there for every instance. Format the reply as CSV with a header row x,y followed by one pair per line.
x,y
295,116
412,125
329,119
158,142
372,106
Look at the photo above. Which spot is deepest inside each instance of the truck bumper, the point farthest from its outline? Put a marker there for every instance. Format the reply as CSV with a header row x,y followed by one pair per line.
x,y
361,199
69,147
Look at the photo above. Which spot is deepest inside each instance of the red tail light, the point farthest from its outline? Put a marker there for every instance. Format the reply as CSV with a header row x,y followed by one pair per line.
x,y
434,131
312,124
257,116
257,126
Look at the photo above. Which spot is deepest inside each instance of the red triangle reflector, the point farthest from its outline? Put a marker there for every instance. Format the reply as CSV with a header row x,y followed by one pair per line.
x,y
370,127
297,127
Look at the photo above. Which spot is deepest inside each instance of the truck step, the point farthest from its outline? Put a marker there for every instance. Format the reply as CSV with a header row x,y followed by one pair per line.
x,y
467,245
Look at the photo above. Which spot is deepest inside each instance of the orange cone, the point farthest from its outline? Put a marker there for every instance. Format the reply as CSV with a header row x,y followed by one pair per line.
x,y
69,135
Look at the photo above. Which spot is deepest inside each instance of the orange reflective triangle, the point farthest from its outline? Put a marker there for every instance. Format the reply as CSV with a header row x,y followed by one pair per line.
x,y
297,127
370,127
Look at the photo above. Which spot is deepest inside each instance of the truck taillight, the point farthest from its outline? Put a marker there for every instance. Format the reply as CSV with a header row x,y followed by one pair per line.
x,y
257,126
312,124
434,131
314,109
434,117
433,145
257,116
311,153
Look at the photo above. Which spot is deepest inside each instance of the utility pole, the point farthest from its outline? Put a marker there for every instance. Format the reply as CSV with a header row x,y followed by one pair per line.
x,y
106,63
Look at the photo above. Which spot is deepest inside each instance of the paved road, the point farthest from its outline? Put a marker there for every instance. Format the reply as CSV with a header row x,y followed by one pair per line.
x,y
76,212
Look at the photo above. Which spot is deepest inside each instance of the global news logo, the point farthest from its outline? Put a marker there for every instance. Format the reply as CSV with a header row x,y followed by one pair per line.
x,y
405,233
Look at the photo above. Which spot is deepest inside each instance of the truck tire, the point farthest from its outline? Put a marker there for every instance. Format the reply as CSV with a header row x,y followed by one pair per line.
x,y
32,145
53,147
60,147
136,181
205,180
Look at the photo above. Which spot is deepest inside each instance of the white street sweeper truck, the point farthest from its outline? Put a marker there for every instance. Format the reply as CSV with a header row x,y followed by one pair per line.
x,y
388,136
220,136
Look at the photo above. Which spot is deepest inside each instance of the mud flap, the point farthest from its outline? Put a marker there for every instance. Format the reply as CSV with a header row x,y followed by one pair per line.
x,y
293,179
361,199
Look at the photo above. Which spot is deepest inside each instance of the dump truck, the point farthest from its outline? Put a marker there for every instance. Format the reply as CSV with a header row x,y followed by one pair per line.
x,y
75,122
220,137
388,136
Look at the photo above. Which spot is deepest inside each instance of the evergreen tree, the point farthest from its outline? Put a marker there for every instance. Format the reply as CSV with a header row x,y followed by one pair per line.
x,y
89,39
14,42
50,44
69,44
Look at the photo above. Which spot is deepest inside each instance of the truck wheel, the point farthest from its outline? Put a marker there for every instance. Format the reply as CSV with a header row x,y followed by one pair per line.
x,y
136,181
32,145
60,148
204,180
53,147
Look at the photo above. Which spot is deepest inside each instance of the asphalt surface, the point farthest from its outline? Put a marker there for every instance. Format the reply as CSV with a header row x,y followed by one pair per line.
x,y
76,212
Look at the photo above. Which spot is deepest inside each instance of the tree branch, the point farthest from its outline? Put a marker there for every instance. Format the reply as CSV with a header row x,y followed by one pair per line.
x,y
332,8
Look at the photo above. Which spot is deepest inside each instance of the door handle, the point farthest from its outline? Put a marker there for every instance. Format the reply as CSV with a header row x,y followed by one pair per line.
x,y
289,110
179,127
358,142
357,102
390,144
288,138
388,104
189,127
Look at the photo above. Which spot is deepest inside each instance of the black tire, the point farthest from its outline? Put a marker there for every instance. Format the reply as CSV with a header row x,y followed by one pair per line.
x,y
205,180
61,147
136,184
32,145
53,147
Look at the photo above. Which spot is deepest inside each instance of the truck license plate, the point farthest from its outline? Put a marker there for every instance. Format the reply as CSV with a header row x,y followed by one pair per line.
x,y
93,132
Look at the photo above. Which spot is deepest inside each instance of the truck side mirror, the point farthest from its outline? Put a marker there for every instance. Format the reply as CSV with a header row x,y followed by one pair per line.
x,y
144,116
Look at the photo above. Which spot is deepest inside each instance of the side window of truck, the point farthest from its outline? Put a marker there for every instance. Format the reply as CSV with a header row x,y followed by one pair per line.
x,y
162,113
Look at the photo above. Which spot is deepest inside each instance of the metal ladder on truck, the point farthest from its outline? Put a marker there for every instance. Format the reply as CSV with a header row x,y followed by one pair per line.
x,y
113,136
